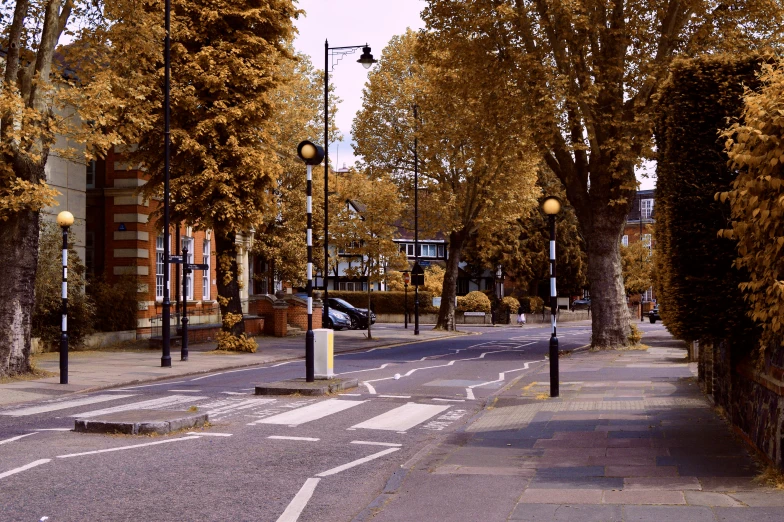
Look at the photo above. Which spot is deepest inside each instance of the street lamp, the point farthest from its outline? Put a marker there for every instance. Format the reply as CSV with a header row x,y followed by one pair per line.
x,y
406,280
552,206
65,219
311,154
166,311
366,59
499,290
416,219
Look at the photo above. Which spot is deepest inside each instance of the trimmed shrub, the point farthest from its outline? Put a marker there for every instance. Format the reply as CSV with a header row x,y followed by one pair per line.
x,y
510,304
388,302
474,302
532,304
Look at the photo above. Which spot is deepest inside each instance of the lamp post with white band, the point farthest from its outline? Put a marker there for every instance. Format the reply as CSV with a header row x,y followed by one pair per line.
x,y
311,154
552,206
65,219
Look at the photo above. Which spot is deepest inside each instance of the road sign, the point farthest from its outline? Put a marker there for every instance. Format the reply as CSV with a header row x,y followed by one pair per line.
x,y
122,228
197,266
424,263
417,275
175,259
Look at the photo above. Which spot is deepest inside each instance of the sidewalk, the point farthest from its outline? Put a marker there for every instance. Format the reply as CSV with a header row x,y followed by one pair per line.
x,y
630,438
91,370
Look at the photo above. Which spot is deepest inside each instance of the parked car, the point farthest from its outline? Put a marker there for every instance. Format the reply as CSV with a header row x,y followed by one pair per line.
x,y
358,315
581,304
337,319
653,315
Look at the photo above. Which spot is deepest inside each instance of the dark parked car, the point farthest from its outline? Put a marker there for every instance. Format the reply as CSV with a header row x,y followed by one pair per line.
x,y
581,304
653,315
358,315
337,319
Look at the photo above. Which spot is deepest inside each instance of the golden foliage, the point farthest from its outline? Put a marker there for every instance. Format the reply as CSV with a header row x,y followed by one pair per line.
x,y
637,265
474,302
755,149
233,343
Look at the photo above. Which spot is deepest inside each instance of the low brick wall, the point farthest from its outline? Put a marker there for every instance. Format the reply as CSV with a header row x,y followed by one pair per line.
x,y
207,333
753,398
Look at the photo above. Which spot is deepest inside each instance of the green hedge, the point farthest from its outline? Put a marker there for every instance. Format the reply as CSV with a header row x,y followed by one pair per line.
x,y
695,282
388,302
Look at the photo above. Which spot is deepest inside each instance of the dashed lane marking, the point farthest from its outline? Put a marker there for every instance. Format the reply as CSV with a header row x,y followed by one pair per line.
x,y
6,441
134,446
309,413
371,443
284,437
143,405
357,462
24,468
63,405
299,501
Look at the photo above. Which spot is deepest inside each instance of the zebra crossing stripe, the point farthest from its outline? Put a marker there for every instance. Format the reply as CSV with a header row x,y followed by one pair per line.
x,y
309,413
402,418
143,405
64,405
237,406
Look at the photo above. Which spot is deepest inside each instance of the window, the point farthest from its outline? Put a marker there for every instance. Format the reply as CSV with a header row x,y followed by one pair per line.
x,y
350,286
646,240
159,267
648,295
205,274
427,250
91,175
646,208
410,250
187,242
625,240
441,251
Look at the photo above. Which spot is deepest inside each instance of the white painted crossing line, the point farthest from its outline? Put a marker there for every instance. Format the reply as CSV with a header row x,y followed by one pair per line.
x,y
402,418
184,391
205,434
235,393
396,396
299,501
351,395
234,407
309,413
24,468
63,405
122,448
152,404
447,400
357,462
53,429
150,385
6,441
371,443
284,437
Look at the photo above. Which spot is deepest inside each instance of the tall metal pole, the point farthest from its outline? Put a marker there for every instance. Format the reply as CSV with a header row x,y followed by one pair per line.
x,y
310,373
405,301
416,221
326,185
64,328
642,295
553,311
177,275
166,356
185,272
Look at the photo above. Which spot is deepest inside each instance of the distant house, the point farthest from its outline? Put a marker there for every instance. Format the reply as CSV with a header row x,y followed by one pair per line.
x,y
638,227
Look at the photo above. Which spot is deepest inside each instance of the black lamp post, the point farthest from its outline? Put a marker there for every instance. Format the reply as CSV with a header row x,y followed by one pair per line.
x,y
366,60
552,206
642,295
166,312
406,280
499,275
65,219
416,219
312,155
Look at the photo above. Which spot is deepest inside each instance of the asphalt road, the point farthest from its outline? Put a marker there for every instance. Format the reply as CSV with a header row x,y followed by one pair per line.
x,y
262,458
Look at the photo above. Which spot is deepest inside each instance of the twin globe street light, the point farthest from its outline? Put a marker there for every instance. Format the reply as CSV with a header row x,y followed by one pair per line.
x,y
552,206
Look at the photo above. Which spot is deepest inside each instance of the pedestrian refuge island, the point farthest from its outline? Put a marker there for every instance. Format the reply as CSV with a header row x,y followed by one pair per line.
x,y
324,353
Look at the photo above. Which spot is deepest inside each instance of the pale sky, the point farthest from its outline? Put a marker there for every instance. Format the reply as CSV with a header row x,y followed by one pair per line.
x,y
356,22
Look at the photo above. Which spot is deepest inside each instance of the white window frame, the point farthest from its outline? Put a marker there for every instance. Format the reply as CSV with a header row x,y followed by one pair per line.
x,y
428,251
205,275
625,240
410,249
646,208
90,171
159,267
646,240
188,242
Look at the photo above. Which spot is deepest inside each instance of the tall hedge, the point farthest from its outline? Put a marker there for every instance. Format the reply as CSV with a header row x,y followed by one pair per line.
x,y
387,302
695,282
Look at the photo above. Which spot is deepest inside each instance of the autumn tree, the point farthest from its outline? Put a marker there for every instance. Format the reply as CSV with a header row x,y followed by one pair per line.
x,y
227,56
51,105
365,227
475,163
637,267
586,73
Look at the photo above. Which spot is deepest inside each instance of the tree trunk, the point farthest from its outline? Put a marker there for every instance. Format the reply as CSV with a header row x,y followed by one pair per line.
x,y
446,314
19,244
228,278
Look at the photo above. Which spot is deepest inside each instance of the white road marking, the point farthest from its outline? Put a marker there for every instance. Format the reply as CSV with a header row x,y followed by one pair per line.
x,y
403,417
122,448
370,443
235,393
24,468
222,373
299,501
357,462
184,391
15,438
149,385
447,400
237,406
283,437
54,406
205,434
370,387
309,413
367,370
501,378
53,429
396,396
143,405
351,395
280,364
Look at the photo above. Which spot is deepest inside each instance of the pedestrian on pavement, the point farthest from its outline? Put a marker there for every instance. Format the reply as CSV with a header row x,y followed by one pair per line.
x,y
521,315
